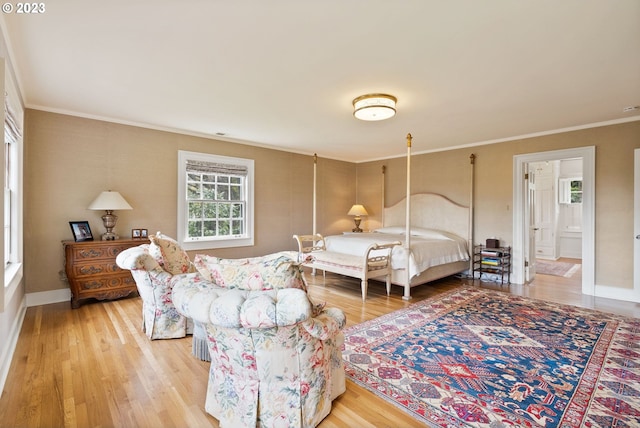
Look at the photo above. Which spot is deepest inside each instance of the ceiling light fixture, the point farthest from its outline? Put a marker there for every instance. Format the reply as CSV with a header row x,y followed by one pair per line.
x,y
374,107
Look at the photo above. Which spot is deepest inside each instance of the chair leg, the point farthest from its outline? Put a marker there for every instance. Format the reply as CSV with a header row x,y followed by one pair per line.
x,y
388,284
364,286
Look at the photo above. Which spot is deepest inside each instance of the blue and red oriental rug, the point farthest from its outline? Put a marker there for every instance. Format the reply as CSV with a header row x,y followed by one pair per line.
x,y
479,358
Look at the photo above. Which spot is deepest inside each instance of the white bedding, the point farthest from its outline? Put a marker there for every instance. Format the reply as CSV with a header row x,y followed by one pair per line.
x,y
428,247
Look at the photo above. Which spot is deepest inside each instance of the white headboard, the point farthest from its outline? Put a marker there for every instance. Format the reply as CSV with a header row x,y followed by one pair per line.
x,y
432,211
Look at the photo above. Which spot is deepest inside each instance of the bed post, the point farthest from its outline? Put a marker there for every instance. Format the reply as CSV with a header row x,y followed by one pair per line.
x,y
315,167
472,159
384,170
407,240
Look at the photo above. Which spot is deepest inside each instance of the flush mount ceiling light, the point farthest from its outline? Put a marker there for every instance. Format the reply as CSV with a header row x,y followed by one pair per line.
x,y
374,107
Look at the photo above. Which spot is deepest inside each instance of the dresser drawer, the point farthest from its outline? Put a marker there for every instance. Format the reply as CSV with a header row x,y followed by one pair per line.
x,y
97,252
112,281
97,268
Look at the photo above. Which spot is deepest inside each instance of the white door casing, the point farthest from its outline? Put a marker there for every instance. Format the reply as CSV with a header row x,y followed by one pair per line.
x,y
530,216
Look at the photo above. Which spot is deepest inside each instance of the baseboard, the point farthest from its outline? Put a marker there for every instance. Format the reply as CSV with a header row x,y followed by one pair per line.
x,y
10,345
47,297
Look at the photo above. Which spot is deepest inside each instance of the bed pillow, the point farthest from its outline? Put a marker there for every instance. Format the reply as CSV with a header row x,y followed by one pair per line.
x,y
415,231
429,233
391,229
258,273
169,254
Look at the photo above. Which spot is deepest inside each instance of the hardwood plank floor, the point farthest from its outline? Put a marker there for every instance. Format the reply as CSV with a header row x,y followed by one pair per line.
x,y
93,366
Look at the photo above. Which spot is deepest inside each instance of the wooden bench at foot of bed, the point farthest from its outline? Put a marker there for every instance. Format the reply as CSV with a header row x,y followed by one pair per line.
x,y
376,262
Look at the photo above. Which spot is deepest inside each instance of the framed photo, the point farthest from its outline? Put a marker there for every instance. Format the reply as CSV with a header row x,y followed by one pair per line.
x,y
135,233
144,233
81,231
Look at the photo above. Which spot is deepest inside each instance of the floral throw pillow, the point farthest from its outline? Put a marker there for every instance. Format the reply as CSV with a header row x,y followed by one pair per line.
x,y
169,254
257,273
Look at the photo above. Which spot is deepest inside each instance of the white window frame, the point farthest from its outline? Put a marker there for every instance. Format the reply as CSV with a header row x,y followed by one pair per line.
x,y
565,192
13,270
245,240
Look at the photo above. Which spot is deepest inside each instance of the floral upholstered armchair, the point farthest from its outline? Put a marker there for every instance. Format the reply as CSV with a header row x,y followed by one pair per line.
x,y
276,358
155,267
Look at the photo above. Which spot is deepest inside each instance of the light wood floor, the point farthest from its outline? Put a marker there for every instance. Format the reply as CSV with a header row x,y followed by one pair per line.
x,y
93,367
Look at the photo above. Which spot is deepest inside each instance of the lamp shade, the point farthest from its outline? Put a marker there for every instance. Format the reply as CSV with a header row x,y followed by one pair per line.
x,y
373,107
110,201
357,210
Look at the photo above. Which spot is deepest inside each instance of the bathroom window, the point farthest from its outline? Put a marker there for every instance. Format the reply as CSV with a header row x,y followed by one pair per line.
x,y
570,190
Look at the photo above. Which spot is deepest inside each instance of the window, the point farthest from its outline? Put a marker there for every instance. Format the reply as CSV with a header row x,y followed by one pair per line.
x,y
12,179
570,191
215,201
11,138
7,199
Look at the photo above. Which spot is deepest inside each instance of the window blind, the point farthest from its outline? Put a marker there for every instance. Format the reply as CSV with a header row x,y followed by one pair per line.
x,y
216,168
11,127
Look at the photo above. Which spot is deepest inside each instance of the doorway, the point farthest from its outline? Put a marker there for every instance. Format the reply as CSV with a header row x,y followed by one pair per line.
x,y
556,216
523,234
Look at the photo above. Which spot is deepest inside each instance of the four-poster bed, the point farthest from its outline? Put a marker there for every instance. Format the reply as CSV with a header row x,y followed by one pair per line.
x,y
434,232
437,245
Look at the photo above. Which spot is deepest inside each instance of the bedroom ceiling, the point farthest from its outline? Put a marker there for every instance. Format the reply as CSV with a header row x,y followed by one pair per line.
x,y
284,73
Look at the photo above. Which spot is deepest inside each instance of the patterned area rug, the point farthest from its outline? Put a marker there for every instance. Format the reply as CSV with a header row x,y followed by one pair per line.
x,y
479,358
547,267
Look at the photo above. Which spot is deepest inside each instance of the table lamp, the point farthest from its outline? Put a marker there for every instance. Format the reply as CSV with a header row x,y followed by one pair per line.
x,y
357,210
109,201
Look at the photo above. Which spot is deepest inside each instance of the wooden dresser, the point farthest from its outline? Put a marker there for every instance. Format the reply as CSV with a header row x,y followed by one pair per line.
x,y
92,271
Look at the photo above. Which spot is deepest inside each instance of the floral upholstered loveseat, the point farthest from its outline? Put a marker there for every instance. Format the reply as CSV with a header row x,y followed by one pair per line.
x,y
276,358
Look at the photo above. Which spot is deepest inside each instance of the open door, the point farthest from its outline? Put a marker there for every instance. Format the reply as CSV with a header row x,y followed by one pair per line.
x,y
530,254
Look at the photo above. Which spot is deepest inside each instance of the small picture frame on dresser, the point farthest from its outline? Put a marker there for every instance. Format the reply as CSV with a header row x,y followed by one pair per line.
x,y
136,233
144,233
81,231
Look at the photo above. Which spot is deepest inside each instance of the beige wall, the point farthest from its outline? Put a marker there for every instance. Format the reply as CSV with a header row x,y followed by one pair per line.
x,y
449,173
69,160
